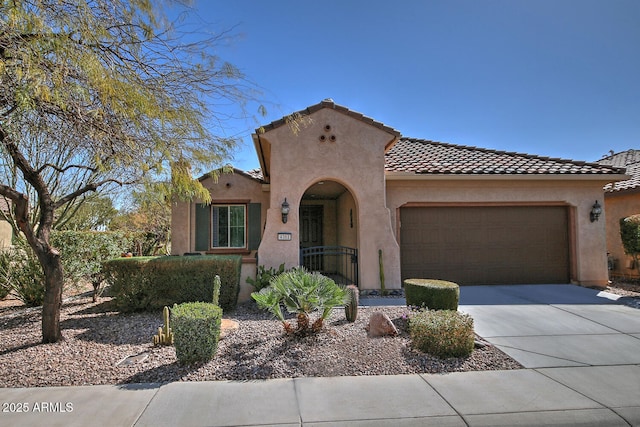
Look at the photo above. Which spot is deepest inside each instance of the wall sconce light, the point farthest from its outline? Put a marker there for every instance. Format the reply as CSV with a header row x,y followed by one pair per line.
x,y
596,211
285,210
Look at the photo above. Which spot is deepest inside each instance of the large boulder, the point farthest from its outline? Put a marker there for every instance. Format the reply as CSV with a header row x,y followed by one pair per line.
x,y
381,326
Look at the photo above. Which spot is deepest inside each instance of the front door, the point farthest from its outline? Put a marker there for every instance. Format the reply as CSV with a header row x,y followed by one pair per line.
x,y
311,234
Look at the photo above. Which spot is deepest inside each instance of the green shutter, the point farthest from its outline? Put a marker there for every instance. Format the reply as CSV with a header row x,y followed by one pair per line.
x,y
203,219
255,225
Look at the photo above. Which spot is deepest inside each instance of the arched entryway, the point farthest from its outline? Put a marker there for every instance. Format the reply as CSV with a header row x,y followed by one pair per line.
x,y
329,231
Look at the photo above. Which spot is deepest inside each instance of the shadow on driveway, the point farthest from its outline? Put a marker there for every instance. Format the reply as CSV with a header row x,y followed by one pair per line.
x,y
531,294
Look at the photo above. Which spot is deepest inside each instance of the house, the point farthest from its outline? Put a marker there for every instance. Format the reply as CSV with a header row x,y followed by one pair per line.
x,y
6,231
349,196
621,199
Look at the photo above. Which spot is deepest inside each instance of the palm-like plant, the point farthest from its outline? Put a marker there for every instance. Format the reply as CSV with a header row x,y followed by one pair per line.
x,y
302,293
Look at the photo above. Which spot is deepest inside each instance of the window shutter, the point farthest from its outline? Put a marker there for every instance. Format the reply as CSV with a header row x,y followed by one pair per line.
x,y
255,225
203,220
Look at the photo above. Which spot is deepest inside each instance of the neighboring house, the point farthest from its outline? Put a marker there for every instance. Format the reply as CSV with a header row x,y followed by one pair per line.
x,y
621,200
6,231
366,203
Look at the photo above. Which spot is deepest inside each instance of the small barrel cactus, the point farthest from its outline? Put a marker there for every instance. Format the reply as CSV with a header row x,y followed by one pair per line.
x,y
351,309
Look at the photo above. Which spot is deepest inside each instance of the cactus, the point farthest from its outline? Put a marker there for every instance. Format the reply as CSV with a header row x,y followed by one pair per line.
x,y
382,285
351,309
216,290
165,334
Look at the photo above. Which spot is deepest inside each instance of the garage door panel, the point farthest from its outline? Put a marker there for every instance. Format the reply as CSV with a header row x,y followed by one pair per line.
x,y
483,245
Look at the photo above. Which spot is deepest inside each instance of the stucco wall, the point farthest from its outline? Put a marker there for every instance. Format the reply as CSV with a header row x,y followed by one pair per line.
x,y
356,160
347,225
587,238
620,205
231,187
6,232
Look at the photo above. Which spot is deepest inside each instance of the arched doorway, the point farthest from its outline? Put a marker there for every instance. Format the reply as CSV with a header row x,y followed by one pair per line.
x,y
329,231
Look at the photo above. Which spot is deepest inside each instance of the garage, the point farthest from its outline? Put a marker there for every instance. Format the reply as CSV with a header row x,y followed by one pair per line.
x,y
475,245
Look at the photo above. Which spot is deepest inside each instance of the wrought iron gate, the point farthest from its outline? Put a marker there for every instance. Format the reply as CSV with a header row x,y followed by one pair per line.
x,y
340,263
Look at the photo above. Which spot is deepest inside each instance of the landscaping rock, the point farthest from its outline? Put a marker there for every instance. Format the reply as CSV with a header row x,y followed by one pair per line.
x,y
227,326
381,326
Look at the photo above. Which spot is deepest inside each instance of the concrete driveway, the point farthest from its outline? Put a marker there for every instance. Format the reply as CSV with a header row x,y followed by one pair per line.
x,y
551,326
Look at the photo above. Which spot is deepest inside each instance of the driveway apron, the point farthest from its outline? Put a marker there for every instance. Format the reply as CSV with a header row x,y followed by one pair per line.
x,y
548,326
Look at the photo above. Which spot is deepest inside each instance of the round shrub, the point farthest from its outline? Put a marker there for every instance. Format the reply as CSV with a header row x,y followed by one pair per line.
x,y
433,294
196,331
442,333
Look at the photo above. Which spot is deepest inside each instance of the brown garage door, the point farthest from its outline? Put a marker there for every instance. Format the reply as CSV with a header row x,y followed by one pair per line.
x,y
486,245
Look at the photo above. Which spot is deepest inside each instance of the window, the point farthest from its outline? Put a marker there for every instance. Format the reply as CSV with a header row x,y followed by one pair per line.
x,y
228,226
231,227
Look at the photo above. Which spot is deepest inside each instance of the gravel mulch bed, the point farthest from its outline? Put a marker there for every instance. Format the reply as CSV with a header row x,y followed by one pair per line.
x,y
627,288
96,339
629,291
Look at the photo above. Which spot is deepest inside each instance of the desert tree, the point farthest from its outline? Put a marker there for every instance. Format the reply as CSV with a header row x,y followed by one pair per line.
x,y
147,213
106,91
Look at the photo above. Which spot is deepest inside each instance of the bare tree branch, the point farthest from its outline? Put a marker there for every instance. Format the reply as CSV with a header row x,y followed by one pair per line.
x,y
64,169
87,188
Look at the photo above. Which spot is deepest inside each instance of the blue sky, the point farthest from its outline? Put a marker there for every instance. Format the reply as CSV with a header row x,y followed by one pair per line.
x,y
558,78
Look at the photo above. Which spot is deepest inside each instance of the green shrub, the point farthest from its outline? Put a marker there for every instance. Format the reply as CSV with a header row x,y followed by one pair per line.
x,y
630,236
442,333
264,276
196,331
150,283
5,282
433,294
131,283
83,252
21,273
301,293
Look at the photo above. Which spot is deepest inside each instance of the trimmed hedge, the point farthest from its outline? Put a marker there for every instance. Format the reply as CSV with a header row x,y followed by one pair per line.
x,y
150,283
434,294
442,333
196,331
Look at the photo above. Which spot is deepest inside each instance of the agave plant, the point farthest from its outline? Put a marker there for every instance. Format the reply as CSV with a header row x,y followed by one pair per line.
x,y
302,293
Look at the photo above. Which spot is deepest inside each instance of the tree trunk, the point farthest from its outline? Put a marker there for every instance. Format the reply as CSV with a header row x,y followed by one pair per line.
x,y
53,273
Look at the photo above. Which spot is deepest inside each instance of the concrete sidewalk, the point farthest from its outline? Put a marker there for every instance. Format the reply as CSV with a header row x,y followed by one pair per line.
x,y
581,351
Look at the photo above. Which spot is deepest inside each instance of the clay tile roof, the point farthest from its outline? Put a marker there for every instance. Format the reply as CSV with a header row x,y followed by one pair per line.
x,y
420,156
630,160
255,174
328,103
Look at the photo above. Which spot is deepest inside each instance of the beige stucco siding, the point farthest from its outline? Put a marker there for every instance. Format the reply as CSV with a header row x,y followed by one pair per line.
x,y
587,239
354,159
6,233
230,188
347,217
620,205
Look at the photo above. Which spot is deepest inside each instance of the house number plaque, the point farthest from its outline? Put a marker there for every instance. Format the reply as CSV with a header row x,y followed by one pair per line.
x,y
283,237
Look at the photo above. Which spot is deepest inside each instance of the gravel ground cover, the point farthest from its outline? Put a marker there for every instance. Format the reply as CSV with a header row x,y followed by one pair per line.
x,y
627,288
629,291
97,340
